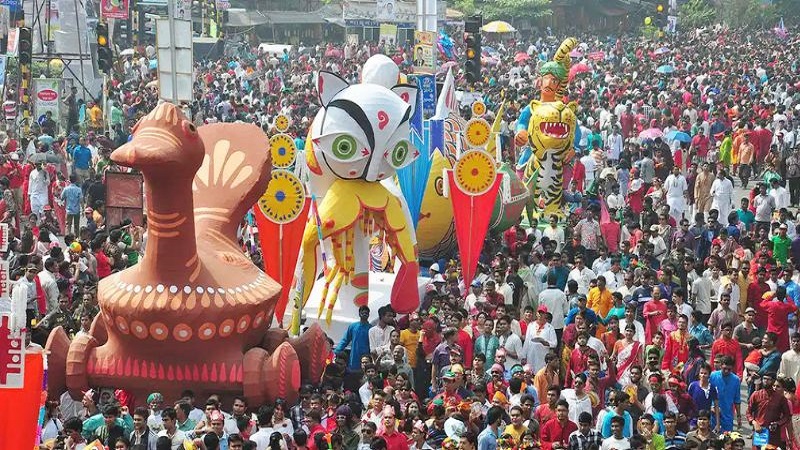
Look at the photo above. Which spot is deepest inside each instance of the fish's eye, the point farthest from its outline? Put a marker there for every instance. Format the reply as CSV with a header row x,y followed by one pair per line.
x,y
188,128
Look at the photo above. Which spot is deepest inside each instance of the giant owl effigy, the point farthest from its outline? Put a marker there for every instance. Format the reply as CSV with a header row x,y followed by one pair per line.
x,y
358,140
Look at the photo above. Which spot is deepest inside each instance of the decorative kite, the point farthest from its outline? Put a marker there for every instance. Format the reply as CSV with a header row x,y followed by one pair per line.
x,y
280,214
473,184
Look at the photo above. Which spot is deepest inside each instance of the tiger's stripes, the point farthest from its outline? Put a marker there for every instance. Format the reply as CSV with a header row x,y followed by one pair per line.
x,y
562,56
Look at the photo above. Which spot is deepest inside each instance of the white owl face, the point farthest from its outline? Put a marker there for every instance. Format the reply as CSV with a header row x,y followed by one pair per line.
x,y
363,130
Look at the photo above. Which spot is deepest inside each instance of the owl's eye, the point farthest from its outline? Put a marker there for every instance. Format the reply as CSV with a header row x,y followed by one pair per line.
x,y
399,154
344,147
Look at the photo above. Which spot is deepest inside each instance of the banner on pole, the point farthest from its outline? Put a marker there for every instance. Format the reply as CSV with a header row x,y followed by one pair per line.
x,y
427,88
5,236
424,54
3,61
12,355
388,33
13,40
114,9
46,98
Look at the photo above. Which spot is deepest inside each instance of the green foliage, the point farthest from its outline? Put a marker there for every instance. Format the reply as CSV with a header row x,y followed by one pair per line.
x,y
748,13
650,31
508,10
696,13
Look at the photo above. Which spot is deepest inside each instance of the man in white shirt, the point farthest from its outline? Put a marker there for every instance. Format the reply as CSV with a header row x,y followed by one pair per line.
x,y
764,205
170,420
721,194
380,334
616,441
790,361
508,341
780,194
47,280
676,187
582,275
555,301
614,276
614,145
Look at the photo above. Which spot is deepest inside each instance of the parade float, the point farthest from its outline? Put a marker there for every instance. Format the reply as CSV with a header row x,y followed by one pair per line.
x,y
548,126
195,312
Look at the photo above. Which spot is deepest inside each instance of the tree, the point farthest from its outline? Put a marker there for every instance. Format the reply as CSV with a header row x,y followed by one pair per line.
x,y
748,13
696,13
508,10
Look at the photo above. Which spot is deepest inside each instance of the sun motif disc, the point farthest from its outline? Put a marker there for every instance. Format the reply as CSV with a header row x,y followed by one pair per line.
x,y
475,172
283,151
283,200
281,123
478,109
478,133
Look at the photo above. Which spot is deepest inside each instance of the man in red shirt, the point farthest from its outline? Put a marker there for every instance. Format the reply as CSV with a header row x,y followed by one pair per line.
x,y
755,291
727,345
394,439
769,409
778,310
555,432
312,420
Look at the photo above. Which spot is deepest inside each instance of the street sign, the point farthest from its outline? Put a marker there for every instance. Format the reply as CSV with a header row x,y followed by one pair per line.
x,y
175,59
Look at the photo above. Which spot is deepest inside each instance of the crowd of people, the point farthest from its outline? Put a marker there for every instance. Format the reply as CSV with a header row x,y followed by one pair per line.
x,y
675,327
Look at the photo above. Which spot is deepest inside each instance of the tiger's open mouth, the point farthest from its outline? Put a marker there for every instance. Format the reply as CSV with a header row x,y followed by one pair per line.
x,y
558,130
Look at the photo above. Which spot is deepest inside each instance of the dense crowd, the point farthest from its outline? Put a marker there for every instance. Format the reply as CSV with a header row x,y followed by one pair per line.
x,y
673,327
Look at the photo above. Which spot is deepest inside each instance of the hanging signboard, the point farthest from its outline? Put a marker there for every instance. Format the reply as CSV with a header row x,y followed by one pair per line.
x,y
114,9
424,54
46,98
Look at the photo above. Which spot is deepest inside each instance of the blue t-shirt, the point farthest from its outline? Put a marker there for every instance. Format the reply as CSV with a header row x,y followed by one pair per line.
x,y
728,394
72,196
627,428
82,157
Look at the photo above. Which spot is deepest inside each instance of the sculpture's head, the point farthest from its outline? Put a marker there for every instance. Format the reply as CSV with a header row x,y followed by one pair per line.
x,y
552,125
362,130
164,142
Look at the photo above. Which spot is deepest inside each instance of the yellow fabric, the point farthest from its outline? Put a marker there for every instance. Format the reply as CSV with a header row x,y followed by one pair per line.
x,y
410,340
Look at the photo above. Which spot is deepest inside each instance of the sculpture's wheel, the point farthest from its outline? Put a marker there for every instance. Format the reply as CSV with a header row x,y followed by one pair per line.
x,y
290,361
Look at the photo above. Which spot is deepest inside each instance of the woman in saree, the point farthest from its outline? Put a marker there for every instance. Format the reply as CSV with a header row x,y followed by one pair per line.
x,y
627,352
695,361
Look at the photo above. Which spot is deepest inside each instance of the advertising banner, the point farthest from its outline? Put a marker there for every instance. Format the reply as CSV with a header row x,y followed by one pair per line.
x,y
114,9
46,98
427,88
388,33
424,54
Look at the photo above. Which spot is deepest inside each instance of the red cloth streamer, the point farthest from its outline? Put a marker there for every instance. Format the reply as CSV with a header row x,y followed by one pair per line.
x,y
21,406
471,215
280,251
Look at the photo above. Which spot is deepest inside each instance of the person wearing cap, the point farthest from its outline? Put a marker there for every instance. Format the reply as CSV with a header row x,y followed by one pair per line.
x,y
395,440
768,409
781,244
540,338
476,288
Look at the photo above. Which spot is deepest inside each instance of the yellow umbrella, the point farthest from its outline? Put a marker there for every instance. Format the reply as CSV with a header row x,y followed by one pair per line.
x,y
498,26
